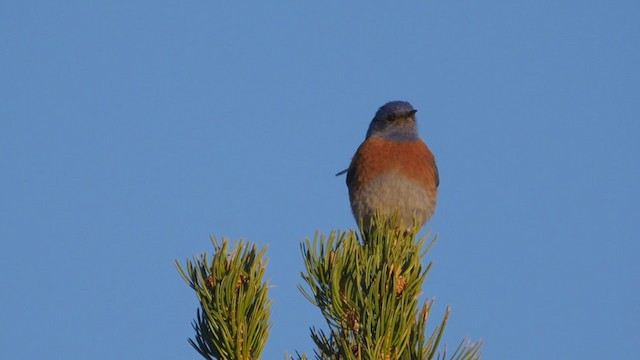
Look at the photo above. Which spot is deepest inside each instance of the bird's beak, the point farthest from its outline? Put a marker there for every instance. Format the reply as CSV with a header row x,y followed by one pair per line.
x,y
413,112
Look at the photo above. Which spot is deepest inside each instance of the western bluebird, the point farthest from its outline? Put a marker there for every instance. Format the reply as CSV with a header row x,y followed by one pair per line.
x,y
393,171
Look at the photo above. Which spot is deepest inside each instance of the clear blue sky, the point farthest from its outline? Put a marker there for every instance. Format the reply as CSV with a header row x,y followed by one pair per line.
x,y
130,131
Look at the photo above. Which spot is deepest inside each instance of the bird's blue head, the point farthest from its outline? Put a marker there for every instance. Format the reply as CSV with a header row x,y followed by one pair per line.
x,y
394,121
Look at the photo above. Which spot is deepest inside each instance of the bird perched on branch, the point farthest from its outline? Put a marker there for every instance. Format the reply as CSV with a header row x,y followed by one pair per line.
x,y
393,171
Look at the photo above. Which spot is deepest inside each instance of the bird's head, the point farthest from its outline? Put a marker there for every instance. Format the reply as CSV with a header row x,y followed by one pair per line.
x,y
395,121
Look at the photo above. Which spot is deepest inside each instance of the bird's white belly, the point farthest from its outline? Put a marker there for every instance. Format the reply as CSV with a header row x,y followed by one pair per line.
x,y
390,193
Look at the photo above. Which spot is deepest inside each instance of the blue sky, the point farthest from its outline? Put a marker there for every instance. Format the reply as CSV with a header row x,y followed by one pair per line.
x,y
132,131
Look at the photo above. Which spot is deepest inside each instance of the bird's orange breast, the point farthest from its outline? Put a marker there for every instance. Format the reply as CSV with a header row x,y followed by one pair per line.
x,y
377,156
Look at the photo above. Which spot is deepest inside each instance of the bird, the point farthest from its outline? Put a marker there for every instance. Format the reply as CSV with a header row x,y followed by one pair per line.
x,y
393,173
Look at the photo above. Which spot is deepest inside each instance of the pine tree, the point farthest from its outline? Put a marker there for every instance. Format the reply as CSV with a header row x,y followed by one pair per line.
x,y
366,287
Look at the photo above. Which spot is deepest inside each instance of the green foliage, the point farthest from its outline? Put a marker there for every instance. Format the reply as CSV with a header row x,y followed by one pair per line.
x,y
369,292
233,319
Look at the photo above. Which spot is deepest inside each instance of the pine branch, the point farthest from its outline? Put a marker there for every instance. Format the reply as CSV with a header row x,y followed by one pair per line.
x,y
368,293
233,319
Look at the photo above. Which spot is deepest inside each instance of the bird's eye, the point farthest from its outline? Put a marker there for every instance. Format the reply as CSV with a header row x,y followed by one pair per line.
x,y
391,118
